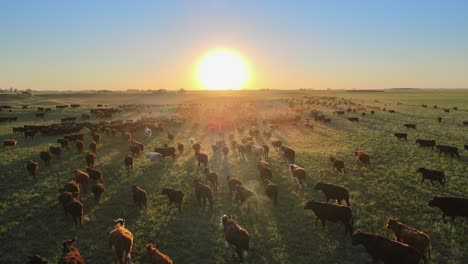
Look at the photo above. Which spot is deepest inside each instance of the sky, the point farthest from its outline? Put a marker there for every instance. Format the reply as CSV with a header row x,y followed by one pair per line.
x,y
347,44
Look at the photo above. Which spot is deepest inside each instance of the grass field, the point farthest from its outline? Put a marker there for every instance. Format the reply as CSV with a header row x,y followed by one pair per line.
x,y
31,219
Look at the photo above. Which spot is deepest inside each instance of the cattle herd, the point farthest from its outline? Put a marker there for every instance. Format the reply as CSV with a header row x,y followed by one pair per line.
x,y
248,137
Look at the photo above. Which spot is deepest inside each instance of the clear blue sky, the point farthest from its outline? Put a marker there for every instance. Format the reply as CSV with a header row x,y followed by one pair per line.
x,y
288,44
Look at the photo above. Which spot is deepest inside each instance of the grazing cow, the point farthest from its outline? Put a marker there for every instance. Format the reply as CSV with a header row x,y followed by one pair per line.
x,y
30,133
389,251
289,154
266,150
45,157
235,235
432,175
271,191
128,161
202,159
426,143
401,136
211,178
90,159
93,147
32,167
156,256
55,151
98,189
9,143
453,151
353,119
94,174
337,165
334,192
298,173
413,126
139,197
232,185
180,148
175,196
264,168
166,152
247,196
410,236
79,145
82,178
362,158
135,149
331,212
170,137
63,143
71,255
203,192
277,144
121,240
154,156
36,259
450,206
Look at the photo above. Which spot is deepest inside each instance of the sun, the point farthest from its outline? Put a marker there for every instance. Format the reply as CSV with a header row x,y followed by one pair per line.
x,y
222,70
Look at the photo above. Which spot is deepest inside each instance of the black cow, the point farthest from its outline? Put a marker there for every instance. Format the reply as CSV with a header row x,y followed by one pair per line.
x,y
448,150
401,136
413,126
432,175
426,143
450,206
332,191
166,152
353,119
331,212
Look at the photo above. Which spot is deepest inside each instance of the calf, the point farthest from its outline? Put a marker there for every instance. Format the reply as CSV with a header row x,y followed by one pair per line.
x,y
401,136
98,189
410,236
298,173
334,192
331,212
211,178
82,178
413,126
453,151
202,159
121,240
156,256
175,196
337,165
235,235
389,251
139,197
362,158
450,206
432,175
90,159
45,157
94,174
70,253
289,154
55,151
232,185
203,192
9,143
271,191
426,143
128,161
32,167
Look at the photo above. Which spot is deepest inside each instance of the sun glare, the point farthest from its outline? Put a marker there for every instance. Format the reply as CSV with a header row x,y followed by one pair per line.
x,y
222,70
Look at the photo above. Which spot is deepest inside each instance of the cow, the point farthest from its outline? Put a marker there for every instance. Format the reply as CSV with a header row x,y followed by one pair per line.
x,y
55,151
36,259
82,178
410,236
413,126
426,143
298,173
70,253
266,150
97,190
289,154
450,206
439,119
64,143
72,187
154,156
139,197
432,175
277,144
180,148
202,159
353,119
170,137
225,151
331,212
334,192
122,241
337,165
175,196
166,152
72,205
90,159
30,133
94,174
264,168
196,147
148,132
259,152
9,143
362,158
128,162
247,196
135,150
96,138
232,183
203,192
401,136
235,235
389,251
45,157
156,256
211,178
271,190
79,145
453,151
32,167
93,147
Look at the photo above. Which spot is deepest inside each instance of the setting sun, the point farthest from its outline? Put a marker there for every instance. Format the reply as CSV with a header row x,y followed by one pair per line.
x,y
222,70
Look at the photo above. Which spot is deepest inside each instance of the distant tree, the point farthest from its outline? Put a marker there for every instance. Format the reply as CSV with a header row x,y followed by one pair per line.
x,y
181,91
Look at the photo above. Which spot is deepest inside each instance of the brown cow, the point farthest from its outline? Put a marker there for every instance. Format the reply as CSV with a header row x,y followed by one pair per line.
x,y
411,236
139,197
121,240
362,158
156,256
128,161
71,255
32,167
